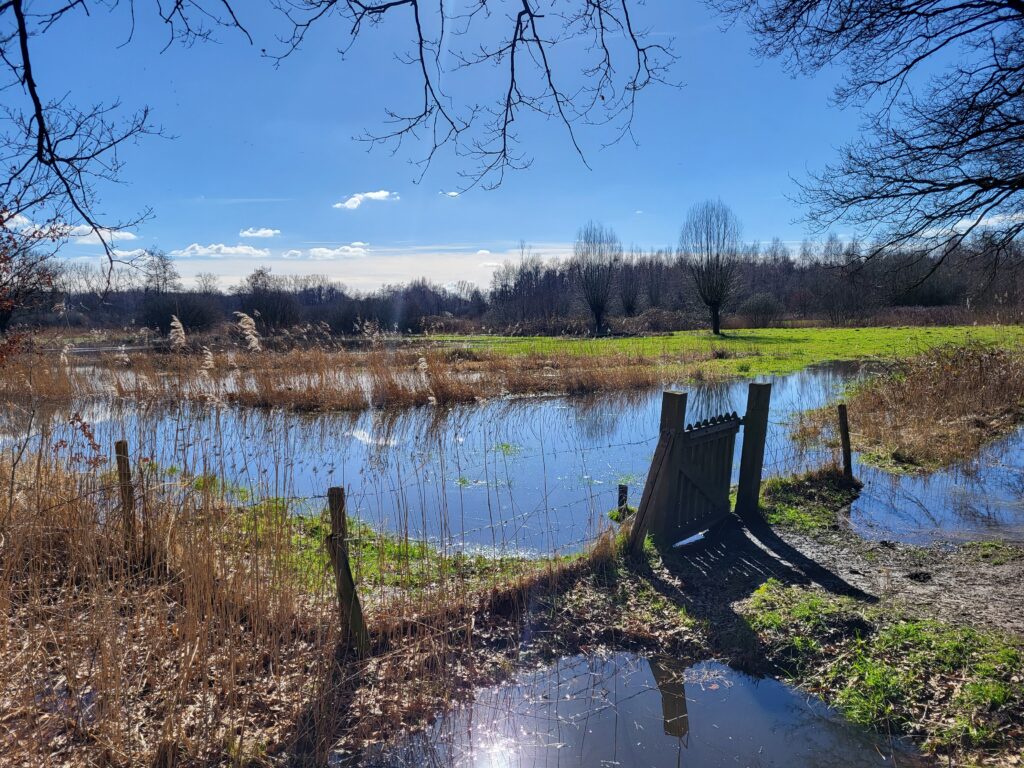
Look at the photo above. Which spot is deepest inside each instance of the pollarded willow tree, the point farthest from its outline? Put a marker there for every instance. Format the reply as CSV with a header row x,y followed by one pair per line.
x,y
942,84
580,62
596,259
709,246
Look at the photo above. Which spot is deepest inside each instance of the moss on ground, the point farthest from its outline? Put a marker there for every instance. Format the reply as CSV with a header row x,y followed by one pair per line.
x,y
619,515
959,688
993,552
809,502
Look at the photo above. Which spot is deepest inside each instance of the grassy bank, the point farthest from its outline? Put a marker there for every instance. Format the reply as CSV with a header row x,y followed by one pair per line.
x,y
958,689
207,632
757,351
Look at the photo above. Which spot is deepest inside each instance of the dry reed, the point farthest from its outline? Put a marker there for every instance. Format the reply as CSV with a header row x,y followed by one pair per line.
x,y
319,379
933,409
211,635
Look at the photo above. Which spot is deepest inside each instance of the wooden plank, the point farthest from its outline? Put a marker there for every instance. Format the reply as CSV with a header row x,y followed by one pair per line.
x,y
652,488
705,487
711,430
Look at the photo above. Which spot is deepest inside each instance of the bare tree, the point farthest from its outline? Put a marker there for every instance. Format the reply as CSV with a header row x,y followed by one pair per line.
x,y
160,276
629,282
208,283
596,258
709,245
656,277
27,274
57,155
943,85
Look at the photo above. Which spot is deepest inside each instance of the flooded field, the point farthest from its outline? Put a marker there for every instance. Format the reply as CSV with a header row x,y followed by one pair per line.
x,y
531,475
629,710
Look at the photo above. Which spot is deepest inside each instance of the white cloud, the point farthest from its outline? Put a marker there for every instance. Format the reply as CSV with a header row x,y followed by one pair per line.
x,y
128,255
483,252
18,221
259,232
217,250
359,244
965,225
356,200
84,235
451,194
292,254
341,252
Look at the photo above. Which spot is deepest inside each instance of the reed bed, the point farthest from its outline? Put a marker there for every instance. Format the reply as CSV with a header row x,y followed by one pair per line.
x,y
932,409
330,380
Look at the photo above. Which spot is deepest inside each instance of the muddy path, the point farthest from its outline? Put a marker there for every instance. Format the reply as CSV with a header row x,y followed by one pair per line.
x,y
973,585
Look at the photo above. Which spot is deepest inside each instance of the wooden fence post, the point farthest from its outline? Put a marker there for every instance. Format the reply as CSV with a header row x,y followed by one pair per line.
x,y
623,501
755,433
124,481
844,437
657,489
349,609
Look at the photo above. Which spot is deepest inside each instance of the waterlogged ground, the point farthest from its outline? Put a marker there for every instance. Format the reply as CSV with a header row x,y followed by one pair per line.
x,y
533,474
630,710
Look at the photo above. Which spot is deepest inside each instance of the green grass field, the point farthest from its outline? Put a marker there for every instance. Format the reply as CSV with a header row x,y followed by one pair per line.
x,y
755,352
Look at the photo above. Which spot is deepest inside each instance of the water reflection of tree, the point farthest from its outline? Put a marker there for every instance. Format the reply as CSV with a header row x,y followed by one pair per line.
x,y
707,399
598,417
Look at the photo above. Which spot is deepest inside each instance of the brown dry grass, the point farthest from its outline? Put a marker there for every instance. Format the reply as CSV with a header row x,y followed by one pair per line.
x,y
933,409
212,637
331,380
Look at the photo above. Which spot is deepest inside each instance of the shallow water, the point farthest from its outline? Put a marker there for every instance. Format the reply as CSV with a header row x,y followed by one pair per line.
x,y
536,474
632,711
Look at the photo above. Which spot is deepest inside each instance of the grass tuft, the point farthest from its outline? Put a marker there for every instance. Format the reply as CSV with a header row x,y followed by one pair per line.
x,y
809,502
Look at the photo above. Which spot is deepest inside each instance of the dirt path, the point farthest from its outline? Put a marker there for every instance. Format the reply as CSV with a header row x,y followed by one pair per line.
x,y
956,585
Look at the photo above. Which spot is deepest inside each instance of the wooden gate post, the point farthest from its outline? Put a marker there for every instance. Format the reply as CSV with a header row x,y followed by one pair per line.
x,y
755,433
844,437
124,481
349,609
658,488
673,410
623,501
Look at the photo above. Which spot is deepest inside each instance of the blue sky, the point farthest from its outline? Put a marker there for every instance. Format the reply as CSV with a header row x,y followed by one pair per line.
x,y
258,149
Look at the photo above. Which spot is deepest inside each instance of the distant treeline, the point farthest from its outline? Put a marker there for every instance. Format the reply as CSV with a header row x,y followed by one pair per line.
x,y
595,291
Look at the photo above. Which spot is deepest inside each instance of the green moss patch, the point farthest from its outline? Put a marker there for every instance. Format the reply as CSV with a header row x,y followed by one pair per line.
x,y
810,502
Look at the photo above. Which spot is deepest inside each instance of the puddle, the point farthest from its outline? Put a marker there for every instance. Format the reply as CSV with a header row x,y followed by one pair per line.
x,y
628,710
532,475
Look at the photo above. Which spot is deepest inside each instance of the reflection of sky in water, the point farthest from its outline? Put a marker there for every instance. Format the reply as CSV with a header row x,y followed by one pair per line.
x,y
538,473
631,711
